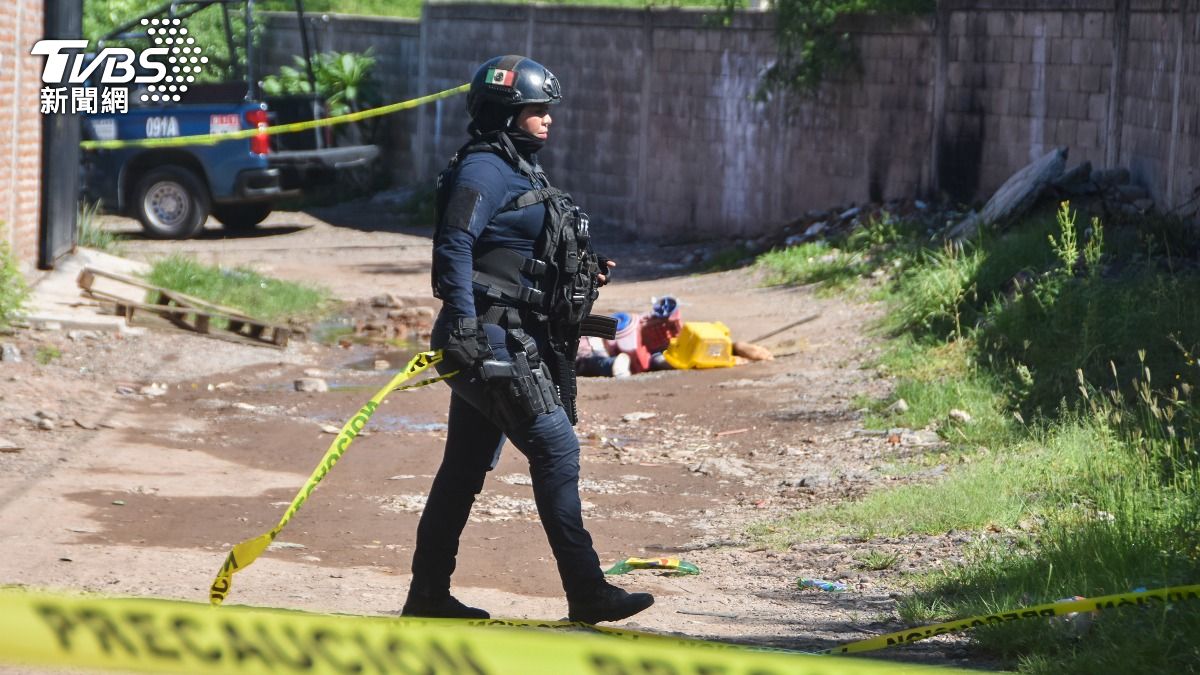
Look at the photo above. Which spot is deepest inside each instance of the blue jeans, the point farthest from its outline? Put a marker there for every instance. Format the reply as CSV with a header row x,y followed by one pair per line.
x,y
473,443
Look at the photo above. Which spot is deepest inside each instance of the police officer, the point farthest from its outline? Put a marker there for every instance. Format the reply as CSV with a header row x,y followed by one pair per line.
x,y
512,266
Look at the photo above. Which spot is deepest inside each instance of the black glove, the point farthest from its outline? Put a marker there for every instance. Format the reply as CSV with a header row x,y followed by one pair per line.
x,y
467,346
602,264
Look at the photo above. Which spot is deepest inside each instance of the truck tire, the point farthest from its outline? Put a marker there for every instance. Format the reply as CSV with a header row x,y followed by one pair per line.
x,y
171,202
241,217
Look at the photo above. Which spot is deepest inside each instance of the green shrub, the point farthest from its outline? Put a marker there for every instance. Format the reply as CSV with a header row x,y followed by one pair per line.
x,y
13,289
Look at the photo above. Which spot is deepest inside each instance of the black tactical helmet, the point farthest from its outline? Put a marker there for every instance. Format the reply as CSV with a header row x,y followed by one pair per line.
x,y
511,81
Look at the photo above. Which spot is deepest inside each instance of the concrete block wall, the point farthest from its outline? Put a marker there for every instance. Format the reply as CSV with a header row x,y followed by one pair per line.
x,y
659,132
20,122
1020,82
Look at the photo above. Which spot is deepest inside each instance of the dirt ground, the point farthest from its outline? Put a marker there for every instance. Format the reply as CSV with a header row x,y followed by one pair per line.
x,y
136,489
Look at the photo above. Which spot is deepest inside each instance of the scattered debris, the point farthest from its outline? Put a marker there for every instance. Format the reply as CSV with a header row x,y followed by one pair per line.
x,y
311,384
726,466
390,317
10,353
731,432
638,416
960,416
118,502
153,390
330,429
899,407
676,565
821,584
9,446
281,545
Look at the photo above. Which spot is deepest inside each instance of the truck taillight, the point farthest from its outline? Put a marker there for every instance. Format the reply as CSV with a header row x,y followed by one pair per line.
x,y
260,143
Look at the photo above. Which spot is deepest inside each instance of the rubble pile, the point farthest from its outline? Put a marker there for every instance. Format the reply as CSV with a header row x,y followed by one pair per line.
x,y
390,317
1109,193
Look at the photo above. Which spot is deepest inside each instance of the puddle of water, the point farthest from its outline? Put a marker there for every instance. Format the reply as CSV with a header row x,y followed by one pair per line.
x,y
383,422
341,330
396,360
332,330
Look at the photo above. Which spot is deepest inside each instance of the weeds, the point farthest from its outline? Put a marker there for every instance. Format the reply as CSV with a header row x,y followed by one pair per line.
x,y
242,288
91,234
13,290
813,263
876,561
47,354
1074,353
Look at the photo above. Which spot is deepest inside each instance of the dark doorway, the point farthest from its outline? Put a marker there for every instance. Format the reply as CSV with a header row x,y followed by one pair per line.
x,y
61,134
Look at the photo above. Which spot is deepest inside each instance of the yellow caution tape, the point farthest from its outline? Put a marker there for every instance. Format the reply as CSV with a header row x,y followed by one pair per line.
x,y
213,139
164,636
1156,597
248,551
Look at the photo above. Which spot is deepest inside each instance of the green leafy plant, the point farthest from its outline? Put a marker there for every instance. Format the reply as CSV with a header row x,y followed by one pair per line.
x,y
13,290
1066,247
343,79
207,26
810,44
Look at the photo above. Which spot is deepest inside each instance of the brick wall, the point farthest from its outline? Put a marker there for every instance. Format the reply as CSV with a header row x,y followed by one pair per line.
x,y
659,133
20,123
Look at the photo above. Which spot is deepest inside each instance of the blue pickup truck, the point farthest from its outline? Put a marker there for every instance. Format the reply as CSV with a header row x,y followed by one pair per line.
x,y
172,191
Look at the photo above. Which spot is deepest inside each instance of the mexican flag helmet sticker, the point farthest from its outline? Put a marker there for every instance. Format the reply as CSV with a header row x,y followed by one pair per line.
x,y
504,78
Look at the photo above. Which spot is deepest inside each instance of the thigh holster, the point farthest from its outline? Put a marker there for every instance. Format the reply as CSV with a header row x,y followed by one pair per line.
x,y
521,389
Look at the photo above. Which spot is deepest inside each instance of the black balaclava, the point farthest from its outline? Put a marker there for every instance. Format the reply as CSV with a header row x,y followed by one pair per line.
x,y
493,118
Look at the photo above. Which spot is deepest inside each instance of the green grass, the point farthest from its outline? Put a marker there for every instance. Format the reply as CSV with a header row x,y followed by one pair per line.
x,y
814,263
877,560
1073,349
997,490
91,235
241,288
46,354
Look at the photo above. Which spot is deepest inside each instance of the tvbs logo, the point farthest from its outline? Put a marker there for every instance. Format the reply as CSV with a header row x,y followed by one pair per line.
x,y
167,68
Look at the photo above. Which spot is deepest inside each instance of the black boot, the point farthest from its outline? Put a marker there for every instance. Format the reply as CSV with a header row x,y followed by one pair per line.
x,y
607,603
439,606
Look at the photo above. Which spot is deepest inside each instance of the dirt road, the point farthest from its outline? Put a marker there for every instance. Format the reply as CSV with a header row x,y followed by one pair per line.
x,y
142,490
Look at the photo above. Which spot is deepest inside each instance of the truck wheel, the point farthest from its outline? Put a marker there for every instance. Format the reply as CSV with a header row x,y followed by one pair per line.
x,y
171,203
241,217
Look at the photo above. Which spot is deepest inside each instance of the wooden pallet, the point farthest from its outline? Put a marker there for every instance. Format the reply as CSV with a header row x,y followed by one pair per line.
x,y
180,309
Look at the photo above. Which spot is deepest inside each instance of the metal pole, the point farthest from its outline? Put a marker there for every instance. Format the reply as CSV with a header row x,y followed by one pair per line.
x,y
312,77
252,93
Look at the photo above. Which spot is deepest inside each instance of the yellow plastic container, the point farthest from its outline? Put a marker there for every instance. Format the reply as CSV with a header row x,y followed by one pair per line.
x,y
701,345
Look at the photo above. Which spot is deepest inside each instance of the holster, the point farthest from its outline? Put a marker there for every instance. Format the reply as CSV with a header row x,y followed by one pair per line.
x,y
521,389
